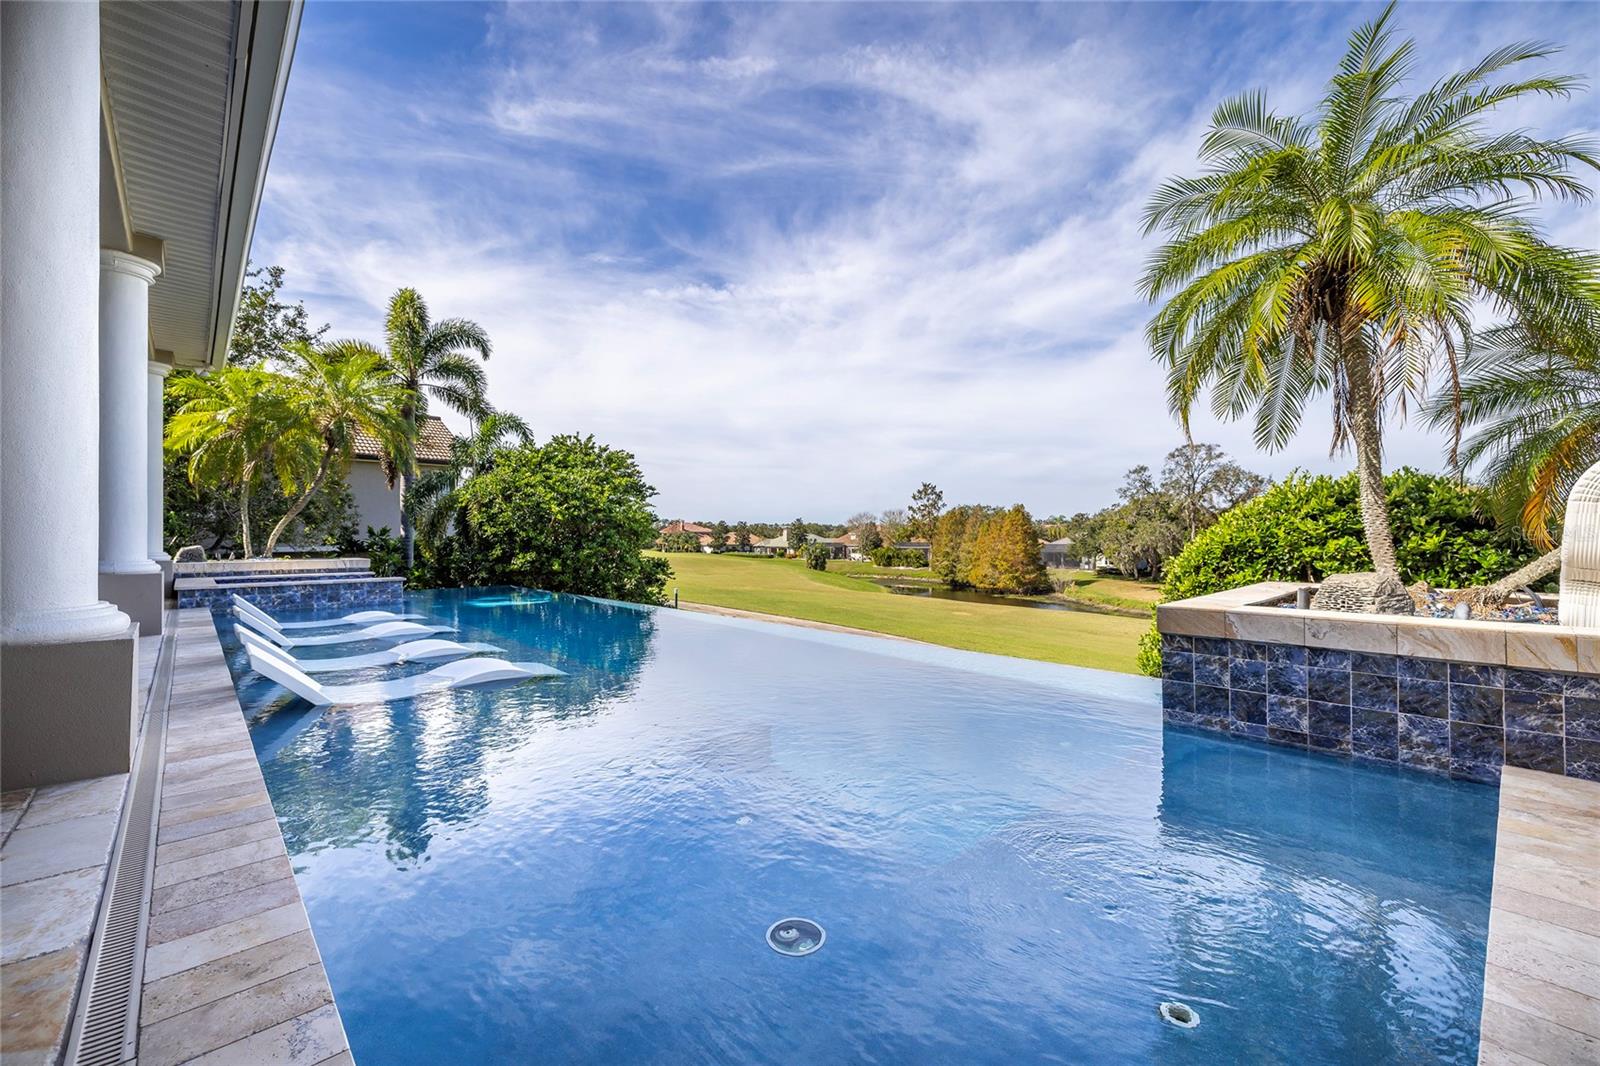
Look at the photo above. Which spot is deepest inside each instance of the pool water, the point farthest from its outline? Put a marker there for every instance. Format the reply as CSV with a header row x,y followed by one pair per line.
x,y
1012,862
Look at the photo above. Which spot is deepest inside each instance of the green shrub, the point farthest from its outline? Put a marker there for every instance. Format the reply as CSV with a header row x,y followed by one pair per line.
x,y
891,556
384,550
816,556
1306,527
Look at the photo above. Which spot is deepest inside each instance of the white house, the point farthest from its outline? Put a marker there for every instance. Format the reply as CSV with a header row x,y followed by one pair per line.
x,y
133,146
377,502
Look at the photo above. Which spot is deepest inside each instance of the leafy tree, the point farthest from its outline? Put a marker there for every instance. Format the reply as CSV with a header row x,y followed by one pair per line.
x,y
334,392
265,326
927,504
719,535
1139,534
864,525
795,536
1005,556
816,556
1345,251
382,549
431,361
1202,482
1535,402
434,501
571,516
892,526
680,541
741,537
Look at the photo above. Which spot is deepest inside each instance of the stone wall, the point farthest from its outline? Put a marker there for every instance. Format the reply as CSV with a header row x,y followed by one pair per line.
x,y
1438,695
351,594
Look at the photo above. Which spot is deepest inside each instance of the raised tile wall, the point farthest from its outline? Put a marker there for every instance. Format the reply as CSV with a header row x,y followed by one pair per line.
x,y
1461,719
315,595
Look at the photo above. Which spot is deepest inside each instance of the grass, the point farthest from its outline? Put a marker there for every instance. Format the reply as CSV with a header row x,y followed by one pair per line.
x,y
839,596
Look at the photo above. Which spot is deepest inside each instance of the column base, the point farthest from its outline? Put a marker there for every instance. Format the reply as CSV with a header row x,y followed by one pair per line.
x,y
67,710
139,596
163,560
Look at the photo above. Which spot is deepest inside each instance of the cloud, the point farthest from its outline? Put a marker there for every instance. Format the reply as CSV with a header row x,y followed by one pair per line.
x,y
798,258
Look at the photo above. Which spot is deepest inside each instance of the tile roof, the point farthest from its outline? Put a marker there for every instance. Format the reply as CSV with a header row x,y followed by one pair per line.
x,y
433,443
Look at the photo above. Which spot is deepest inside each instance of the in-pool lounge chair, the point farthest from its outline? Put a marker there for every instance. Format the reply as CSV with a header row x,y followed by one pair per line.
x,y
411,651
360,618
277,666
391,631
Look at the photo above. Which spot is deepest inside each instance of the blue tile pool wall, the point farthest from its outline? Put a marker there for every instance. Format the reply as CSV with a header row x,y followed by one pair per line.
x,y
1461,719
301,595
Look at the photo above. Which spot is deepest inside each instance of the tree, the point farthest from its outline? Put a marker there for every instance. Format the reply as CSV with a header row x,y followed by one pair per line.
x,y
231,425
434,501
1345,251
795,536
431,361
864,524
892,526
1005,554
1535,400
264,326
334,392
1203,483
741,537
1140,533
816,556
571,516
927,504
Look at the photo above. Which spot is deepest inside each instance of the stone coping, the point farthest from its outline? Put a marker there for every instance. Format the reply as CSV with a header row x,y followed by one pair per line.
x,y
269,566
231,968
1541,981
1249,614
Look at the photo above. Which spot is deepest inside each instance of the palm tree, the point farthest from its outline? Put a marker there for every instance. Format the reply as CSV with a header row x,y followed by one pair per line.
x,y
431,360
1345,251
334,391
1536,401
231,424
433,500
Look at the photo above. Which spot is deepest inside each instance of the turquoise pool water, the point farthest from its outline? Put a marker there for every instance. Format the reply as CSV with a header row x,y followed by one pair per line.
x,y
1013,862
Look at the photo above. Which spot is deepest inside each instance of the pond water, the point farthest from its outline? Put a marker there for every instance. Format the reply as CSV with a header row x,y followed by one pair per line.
x,y
901,587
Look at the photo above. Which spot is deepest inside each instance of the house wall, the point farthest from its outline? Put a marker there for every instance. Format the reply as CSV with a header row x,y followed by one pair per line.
x,y
377,505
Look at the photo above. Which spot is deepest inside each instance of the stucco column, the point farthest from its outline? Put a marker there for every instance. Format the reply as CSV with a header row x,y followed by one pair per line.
x,y
125,413
155,471
67,656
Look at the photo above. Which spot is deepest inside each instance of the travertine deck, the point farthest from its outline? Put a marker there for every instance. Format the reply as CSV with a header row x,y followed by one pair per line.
x,y
1541,994
232,973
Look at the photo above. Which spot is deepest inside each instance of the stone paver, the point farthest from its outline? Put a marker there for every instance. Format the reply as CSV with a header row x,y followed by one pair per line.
x,y
1541,989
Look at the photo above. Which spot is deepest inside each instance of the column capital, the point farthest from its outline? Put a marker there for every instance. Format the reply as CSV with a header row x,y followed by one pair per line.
x,y
133,266
158,370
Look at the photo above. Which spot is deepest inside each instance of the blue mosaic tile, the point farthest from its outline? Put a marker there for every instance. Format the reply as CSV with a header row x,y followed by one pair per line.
x,y
1251,730
1177,665
1177,696
1534,751
1210,701
1474,674
1476,705
1476,751
1368,663
1534,681
1249,650
1375,734
1328,659
1329,686
1249,674
1583,717
1287,712
1374,692
1335,745
1187,718
1290,737
1583,685
1210,670
1172,642
1286,655
1583,759
1425,737
1328,720
1424,669
1286,680
1537,711
1211,646
1431,698
1249,707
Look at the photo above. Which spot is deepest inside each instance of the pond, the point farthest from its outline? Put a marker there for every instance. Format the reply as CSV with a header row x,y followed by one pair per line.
x,y
901,587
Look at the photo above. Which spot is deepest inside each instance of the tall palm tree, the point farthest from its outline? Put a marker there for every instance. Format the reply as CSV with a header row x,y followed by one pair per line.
x,y
1536,402
335,391
232,426
432,361
1345,251
433,500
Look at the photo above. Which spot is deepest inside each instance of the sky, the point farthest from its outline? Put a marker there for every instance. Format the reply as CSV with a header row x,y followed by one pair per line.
x,y
799,258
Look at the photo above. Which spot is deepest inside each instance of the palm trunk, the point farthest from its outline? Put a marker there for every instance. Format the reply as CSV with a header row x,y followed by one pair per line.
x,y
1368,438
244,506
407,530
1542,567
300,504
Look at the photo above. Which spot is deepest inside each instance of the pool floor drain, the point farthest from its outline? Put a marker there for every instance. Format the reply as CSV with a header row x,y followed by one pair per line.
x,y
795,936
1180,1014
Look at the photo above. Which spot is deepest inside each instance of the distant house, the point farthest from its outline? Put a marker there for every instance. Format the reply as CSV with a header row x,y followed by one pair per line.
x,y
1061,555
377,502
703,534
838,547
922,546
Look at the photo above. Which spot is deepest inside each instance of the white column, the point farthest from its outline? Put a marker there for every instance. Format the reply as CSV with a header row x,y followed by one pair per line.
x,y
49,349
155,429
124,413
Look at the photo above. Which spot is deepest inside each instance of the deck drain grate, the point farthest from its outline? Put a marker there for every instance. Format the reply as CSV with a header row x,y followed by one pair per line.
x,y
106,1028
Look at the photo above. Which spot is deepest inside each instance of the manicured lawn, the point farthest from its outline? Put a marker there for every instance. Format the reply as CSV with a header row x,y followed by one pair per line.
x,y
785,587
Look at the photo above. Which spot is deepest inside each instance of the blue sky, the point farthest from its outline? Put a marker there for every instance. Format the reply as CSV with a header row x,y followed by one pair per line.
x,y
800,257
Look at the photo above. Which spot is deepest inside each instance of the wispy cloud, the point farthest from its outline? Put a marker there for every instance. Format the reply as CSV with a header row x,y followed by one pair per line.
x,y
801,257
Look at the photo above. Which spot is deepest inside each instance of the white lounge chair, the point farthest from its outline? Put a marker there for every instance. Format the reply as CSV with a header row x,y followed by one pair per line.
x,y
393,631
360,618
410,652
459,674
